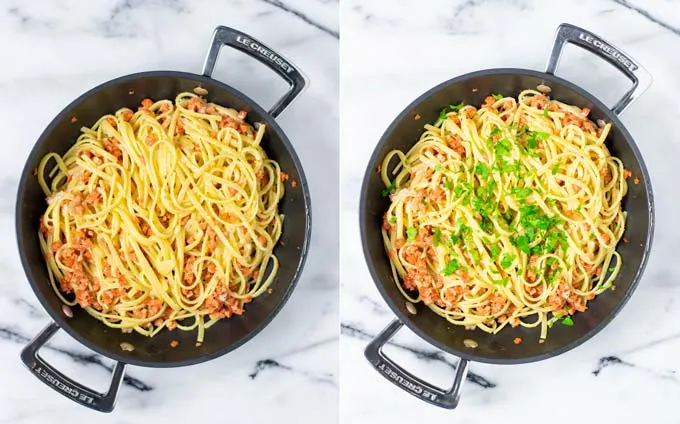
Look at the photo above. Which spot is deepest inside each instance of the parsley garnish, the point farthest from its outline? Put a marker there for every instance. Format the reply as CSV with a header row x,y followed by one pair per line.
x,y
389,189
532,143
482,170
545,112
567,321
521,192
392,219
437,237
451,267
555,168
522,243
439,168
495,251
475,256
450,108
507,261
542,135
448,184
497,96
411,233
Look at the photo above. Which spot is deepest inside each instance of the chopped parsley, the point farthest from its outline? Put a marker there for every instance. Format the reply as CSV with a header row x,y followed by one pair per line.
x,y
497,96
475,255
411,233
450,108
502,147
503,282
507,261
495,251
542,135
522,243
437,237
567,321
482,170
451,267
447,183
532,142
555,168
392,219
389,189
521,192
545,112
440,168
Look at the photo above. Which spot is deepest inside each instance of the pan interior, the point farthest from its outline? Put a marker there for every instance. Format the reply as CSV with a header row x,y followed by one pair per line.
x,y
499,348
226,334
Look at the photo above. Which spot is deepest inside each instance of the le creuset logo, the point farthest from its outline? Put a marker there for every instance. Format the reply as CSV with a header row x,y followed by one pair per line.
x,y
265,52
415,388
611,51
61,386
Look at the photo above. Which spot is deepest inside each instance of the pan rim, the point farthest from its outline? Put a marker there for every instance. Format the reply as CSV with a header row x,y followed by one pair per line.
x,y
26,173
406,112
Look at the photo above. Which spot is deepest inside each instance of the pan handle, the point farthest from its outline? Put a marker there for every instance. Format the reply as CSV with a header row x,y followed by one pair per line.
x,y
236,39
408,382
567,33
102,402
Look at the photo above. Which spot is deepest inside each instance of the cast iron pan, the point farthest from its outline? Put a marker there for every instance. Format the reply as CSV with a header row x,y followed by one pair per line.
x,y
225,335
499,348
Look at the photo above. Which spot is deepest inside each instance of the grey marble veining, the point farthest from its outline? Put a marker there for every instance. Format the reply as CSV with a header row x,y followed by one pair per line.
x,y
53,51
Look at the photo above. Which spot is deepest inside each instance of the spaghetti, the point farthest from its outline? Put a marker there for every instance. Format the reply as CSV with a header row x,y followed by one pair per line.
x,y
506,215
162,218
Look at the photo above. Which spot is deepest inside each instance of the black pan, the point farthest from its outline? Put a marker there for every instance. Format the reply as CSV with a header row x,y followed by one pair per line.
x,y
500,349
224,336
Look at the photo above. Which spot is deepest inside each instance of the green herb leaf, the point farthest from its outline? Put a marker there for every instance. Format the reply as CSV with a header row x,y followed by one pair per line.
x,y
542,135
482,170
437,236
443,115
495,131
447,183
522,243
389,189
497,96
521,192
507,261
503,282
495,251
567,321
411,233
440,168
392,220
451,267
458,107
555,168
612,269
545,112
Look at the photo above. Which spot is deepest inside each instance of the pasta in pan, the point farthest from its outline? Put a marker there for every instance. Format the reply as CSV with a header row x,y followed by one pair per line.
x,y
162,218
506,215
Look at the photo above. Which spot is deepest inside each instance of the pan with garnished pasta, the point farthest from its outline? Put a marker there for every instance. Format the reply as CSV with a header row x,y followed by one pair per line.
x,y
506,216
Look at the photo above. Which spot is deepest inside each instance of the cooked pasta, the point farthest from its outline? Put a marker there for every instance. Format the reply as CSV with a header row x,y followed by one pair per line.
x,y
162,218
506,215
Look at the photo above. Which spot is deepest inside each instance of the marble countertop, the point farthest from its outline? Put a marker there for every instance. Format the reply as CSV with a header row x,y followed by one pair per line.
x,y
53,51
628,373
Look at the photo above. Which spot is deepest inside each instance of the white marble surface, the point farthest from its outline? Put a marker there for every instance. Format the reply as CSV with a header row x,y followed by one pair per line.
x,y
52,51
394,51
